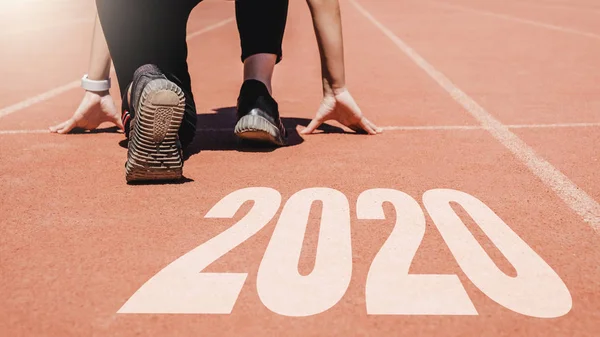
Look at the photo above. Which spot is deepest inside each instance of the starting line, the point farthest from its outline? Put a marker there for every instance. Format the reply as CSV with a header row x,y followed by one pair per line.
x,y
385,128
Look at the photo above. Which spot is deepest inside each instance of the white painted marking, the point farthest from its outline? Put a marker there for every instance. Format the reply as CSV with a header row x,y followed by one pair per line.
x,y
390,289
535,291
556,6
39,98
21,132
209,28
579,201
75,84
386,128
11,33
480,127
553,126
520,20
181,288
280,286
432,127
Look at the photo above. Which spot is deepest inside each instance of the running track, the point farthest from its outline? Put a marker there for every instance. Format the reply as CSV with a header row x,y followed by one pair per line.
x,y
489,163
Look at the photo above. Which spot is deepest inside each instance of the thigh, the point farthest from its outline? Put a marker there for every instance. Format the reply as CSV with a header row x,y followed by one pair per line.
x,y
142,32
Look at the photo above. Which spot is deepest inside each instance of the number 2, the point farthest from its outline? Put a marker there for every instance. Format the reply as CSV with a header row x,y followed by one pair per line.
x,y
390,290
181,288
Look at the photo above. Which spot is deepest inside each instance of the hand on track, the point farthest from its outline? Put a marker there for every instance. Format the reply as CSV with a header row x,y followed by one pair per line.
x,y
93,110
341,107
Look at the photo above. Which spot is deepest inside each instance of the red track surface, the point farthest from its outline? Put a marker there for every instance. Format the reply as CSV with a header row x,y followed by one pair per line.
x,y
76,242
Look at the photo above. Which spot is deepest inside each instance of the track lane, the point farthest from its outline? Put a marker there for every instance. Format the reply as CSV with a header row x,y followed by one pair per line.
x,y
73,263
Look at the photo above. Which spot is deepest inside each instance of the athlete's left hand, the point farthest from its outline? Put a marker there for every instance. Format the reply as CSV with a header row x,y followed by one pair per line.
x,y
341,107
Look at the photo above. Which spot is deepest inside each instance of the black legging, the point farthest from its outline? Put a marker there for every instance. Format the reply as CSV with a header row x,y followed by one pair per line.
x,y
142,32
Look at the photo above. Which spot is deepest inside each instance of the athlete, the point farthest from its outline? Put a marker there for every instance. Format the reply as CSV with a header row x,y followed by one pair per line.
x,y
146,39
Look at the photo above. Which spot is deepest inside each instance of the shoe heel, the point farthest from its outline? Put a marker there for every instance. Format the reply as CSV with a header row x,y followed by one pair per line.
x,y
257,128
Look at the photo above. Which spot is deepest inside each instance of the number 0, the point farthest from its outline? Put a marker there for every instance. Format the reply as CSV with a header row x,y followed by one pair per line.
x,y
280,286
536,290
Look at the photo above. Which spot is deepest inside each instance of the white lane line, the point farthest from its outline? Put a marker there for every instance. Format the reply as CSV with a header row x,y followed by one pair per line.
x,y
12,33
57,91
432,127
21,132
39,98
573,196
480,127
385,128
209,28
553,126
520,20
555,6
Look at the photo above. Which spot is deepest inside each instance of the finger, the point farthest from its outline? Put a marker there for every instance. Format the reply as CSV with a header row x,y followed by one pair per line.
x,y
364,124
118,122
80,110
369,127
358,128
314,124
373,126
376,128
57,127
69,125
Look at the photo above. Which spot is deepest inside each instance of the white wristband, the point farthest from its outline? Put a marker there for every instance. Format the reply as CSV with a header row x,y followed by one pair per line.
x,y
95,86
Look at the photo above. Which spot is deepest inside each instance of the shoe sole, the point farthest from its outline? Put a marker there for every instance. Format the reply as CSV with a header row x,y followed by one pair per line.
x,y
153,151
258,129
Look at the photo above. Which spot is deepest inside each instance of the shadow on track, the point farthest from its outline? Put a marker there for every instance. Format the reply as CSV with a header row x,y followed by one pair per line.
x,y
80,131
215,133
183,180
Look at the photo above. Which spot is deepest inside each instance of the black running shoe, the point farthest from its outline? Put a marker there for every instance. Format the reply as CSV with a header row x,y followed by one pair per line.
x,y
258,115
154,151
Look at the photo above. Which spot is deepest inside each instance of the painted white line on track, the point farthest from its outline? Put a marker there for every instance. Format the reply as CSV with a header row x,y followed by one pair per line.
x,y
432,127
553,126
39,98
72,85
385,128
480,127
578,200
555,6
521,20
209,28
62,24
22,132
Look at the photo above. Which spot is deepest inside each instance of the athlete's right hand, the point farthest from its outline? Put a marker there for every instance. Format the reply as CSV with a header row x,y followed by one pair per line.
x,y
341,107
94,109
